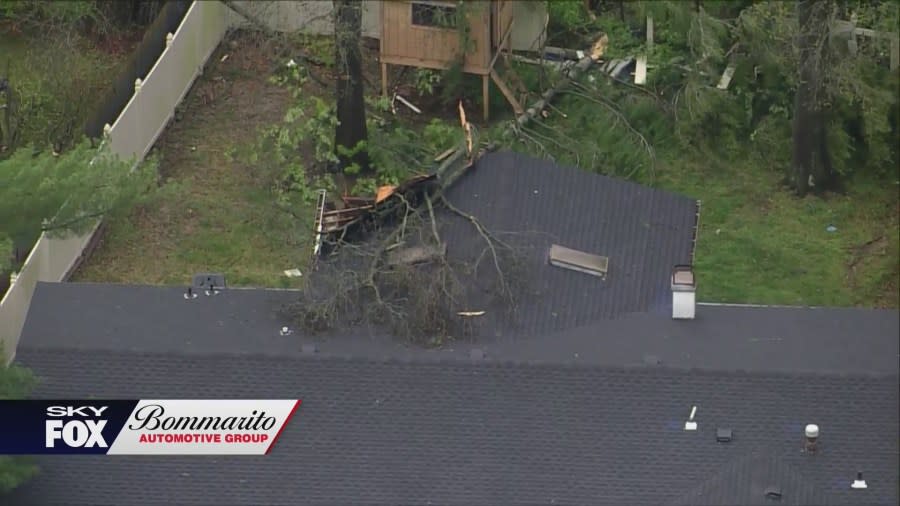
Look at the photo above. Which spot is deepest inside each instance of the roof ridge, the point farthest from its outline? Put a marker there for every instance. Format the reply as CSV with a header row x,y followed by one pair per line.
x,y
421,358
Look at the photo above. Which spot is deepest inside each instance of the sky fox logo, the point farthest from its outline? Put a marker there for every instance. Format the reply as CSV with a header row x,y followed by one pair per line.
x,y
76,433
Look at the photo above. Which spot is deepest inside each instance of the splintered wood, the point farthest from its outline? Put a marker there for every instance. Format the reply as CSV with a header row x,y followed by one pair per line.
x,y
599,48
580,261
466,128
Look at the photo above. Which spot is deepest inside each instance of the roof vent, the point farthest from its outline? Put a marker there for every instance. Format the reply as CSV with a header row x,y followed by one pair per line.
x,y
476,354
285,331
859,482
190,293
211,283
812,438
723,435
684,293
309,349
773,493
690,424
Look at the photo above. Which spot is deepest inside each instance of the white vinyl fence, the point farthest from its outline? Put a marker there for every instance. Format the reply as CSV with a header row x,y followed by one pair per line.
x,y
131,137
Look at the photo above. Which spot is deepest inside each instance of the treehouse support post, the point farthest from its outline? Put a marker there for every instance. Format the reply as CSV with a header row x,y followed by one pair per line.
x,y
485,95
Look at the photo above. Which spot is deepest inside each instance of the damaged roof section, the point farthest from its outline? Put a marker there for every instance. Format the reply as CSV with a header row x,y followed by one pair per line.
x,y
643,232
560,229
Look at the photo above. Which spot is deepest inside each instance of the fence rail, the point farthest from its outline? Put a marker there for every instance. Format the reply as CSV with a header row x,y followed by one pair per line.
x,y
131,136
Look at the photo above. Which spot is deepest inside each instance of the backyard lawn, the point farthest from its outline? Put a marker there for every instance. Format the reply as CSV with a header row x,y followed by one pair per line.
x,y
216,212
760,244
757,242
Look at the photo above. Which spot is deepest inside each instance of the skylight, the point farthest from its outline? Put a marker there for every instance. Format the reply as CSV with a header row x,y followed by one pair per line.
x,y
580,261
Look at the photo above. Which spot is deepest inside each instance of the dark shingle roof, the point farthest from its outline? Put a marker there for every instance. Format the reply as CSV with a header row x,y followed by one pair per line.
x,y
643,231
453,432
158,319
391,425
750,479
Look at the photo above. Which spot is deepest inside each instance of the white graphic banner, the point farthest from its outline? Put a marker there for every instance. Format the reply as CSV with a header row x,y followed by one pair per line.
x,y
203,427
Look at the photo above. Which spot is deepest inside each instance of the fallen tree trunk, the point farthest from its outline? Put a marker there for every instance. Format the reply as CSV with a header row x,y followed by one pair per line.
x,y
582,66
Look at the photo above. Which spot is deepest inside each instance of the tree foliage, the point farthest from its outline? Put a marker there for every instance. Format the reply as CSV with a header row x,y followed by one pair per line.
x,y
695,41
15,382
68,18
66,193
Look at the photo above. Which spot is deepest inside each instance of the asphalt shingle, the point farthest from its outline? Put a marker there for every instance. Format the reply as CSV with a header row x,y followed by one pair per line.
x,y
457,432
535,203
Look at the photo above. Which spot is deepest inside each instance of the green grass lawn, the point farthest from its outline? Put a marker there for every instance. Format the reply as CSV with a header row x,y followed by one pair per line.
x,y
215,213
760,244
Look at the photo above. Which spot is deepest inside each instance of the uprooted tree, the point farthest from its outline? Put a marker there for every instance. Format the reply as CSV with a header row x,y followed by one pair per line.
x,y
394,270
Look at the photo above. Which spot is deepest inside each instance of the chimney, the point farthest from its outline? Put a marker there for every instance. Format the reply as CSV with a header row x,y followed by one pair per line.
x,y
684,293
812,438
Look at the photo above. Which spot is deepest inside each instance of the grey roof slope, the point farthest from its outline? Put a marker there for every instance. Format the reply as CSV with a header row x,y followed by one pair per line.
x,y
644,231
388,425
158,319
747,480
460,433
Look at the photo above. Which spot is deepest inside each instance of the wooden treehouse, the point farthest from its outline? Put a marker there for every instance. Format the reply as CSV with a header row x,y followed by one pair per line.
x,y
426,34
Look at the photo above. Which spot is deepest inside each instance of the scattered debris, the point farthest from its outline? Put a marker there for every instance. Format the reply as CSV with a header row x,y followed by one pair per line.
x,y
554,64
320,218
558,110
384,192
617,68
291,63
831,228
640,71
599,48
408,104
471,313
444,155
293,273
726,77
285,331
226,57
467,128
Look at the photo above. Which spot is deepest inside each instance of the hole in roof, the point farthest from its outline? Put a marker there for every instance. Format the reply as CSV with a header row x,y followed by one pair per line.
x,y
580,261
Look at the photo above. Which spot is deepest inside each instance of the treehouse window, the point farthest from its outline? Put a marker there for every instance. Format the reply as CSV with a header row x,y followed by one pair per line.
x,y
433,15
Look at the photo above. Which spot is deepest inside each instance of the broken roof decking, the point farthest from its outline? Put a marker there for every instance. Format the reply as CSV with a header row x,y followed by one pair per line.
x,y
643,231
388,425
